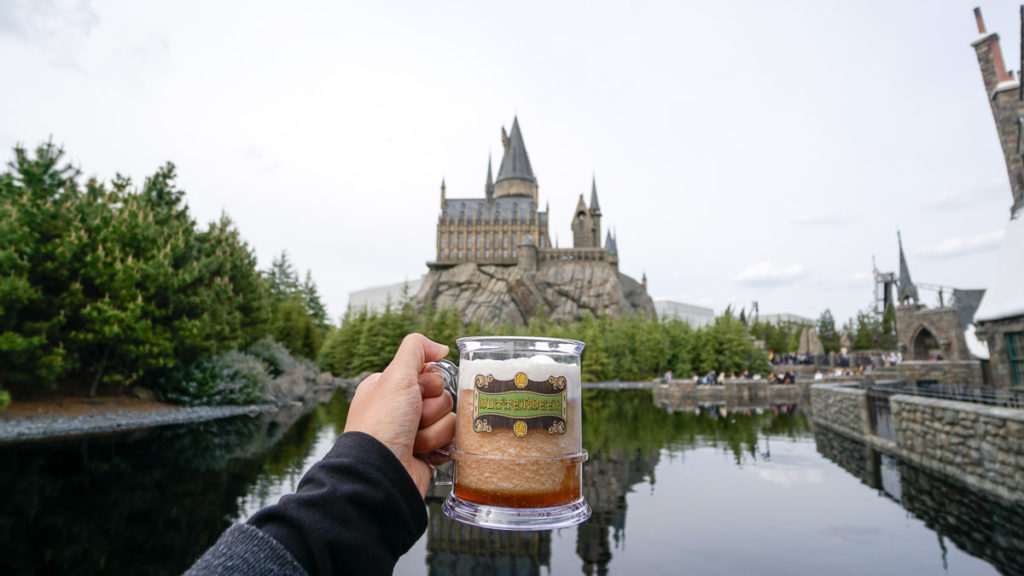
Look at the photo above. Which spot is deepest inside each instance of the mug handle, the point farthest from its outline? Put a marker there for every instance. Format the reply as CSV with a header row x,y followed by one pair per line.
x,y
450,376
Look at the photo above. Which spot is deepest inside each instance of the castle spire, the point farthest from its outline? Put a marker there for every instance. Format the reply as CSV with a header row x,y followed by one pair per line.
x,y
581,207
442,193
515,164
907,290
489,187
594,207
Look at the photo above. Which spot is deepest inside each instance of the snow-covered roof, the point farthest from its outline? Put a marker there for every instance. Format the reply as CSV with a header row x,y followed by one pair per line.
x,y
1005,85
976,347
1005,298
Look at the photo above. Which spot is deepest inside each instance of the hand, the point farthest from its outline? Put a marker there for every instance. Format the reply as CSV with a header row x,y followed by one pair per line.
x,y
406,408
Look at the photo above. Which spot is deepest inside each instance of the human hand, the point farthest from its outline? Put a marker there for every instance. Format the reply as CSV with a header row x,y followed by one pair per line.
x,y
405,407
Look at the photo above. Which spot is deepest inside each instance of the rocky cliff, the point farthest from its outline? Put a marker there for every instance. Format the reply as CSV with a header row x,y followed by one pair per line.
x,y
564,290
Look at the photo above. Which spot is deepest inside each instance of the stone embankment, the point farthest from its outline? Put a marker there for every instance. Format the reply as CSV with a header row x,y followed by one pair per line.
x,y
979,445
736,394
286,398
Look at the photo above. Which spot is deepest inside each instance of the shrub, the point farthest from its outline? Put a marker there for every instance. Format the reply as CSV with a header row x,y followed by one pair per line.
x,y
5,399
274,354
230,378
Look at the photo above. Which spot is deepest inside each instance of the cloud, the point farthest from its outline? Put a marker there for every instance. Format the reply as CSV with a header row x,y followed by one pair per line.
x,y
811,219
959,246
60,27
785,475
768,274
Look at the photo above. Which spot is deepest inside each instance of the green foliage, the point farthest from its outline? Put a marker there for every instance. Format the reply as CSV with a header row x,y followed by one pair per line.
x,y
827,332
780,338
111,283
273,354
299,316
5,399
230,378
627,348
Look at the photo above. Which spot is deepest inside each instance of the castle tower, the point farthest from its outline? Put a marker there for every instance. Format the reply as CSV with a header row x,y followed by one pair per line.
x,y
1004,95
515,175
613,250
907,289
582,237
595,215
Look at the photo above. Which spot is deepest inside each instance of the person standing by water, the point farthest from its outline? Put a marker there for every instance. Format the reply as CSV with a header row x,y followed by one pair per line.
x,y
361,507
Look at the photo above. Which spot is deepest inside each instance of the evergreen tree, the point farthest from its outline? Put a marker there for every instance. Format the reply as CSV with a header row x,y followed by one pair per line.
x,y
282,277
827,332
311,299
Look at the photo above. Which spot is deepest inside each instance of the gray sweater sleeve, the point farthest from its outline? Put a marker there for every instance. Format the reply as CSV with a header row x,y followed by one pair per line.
x,y
245,549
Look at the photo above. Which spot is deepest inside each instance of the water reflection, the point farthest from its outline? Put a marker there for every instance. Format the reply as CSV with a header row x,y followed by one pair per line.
x,y
979,525
729,487
145,502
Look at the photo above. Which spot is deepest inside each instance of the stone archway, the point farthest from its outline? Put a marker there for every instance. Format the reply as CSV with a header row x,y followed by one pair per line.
x,y
924,344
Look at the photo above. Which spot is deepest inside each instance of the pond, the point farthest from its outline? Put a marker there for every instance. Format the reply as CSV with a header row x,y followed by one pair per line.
x,y
704,490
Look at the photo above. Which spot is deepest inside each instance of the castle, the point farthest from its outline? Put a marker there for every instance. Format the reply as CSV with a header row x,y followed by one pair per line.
x,y
495,263
506,227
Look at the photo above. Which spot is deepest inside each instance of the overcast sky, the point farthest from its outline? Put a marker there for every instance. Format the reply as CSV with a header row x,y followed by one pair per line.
x,y
743,150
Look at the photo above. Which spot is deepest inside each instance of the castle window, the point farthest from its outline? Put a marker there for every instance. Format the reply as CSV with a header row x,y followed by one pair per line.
x,y
1015,351
444,240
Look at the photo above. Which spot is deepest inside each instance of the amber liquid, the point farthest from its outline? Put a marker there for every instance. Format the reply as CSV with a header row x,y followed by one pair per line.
x,y
566,491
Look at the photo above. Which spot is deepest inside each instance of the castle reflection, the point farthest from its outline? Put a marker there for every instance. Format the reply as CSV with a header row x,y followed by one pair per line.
x,y
625,433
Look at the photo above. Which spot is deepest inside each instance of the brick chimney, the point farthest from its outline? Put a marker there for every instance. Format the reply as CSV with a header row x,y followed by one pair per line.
x,y
1004,97
990,55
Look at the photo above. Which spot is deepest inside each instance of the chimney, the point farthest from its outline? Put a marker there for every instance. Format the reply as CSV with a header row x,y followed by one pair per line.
x,y
990,55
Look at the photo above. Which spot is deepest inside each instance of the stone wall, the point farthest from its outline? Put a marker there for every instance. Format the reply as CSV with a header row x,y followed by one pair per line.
x,y
842,407
943,372
994,333
735,395
983,446
943,323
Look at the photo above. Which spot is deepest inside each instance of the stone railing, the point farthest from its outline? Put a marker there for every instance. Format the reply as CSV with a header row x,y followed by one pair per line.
x,y
941,372
583,254
842,407
981,445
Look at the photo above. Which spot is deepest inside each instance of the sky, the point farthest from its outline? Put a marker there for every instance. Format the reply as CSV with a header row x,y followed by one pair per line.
x,y
743,151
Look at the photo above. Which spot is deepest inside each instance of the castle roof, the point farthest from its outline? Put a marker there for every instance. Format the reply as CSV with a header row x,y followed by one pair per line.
x,y
1004,298
515,164
489,187
580,205
906,285
500,209
593,196
609,243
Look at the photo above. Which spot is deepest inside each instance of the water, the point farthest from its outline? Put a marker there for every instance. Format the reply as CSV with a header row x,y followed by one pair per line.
x,y
702,490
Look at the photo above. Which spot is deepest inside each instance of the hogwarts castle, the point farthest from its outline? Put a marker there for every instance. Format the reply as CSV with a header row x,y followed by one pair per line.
x,y
505,227
495,262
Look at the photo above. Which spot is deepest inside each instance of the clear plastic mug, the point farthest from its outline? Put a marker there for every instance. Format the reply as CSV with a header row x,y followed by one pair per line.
x,y
518,450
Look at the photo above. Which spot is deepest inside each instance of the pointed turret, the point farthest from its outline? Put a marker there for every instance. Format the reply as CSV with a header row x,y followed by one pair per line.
x,y
515,175
489,187
609,243
907,290
581,207
442,193
594,206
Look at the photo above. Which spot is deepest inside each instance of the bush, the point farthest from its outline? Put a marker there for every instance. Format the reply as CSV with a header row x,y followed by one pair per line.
x,y
5,399
230,378
274,354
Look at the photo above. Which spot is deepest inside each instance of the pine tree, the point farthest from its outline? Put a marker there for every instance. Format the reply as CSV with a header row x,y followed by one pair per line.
x,y
827,332
311,299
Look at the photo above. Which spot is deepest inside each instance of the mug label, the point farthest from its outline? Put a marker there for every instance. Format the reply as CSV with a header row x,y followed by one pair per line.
x,y
520,404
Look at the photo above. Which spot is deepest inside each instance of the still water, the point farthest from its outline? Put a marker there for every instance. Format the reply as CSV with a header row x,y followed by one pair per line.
x,y
701,490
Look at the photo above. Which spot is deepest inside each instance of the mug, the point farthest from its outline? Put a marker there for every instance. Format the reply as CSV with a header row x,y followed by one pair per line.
x,y
518,451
